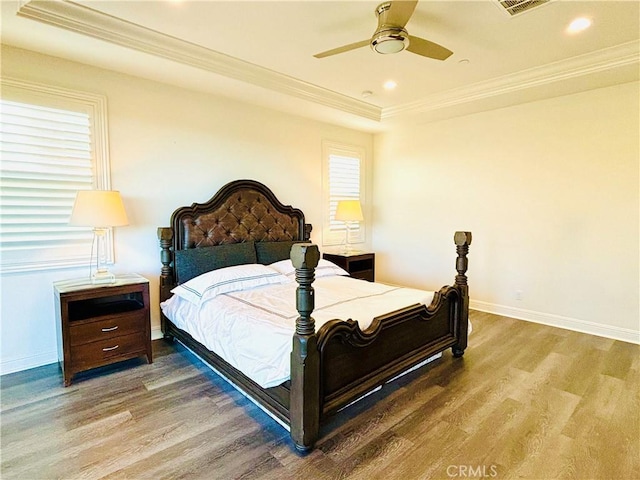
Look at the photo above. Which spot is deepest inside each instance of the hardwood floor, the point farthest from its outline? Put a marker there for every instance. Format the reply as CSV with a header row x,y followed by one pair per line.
x,y
526,401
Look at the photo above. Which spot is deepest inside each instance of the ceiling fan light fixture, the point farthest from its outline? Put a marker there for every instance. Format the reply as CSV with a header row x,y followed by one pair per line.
x,y
391,36
390,41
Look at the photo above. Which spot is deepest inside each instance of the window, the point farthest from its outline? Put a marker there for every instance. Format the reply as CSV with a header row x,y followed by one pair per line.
x,y
343,179
53,142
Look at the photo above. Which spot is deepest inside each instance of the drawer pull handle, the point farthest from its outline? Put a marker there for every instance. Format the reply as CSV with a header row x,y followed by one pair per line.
x,y
108,349
111,329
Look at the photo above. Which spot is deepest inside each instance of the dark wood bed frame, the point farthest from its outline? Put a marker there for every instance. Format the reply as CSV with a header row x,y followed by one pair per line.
x,y
339,363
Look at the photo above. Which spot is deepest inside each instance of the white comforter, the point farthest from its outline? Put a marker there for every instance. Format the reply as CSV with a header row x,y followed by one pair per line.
x,y
252,329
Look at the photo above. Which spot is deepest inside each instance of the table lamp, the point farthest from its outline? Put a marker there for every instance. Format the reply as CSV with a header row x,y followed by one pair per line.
x,y
100,209
349,212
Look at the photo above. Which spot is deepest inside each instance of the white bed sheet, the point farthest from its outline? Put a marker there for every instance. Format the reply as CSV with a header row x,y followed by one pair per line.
x,y
252,329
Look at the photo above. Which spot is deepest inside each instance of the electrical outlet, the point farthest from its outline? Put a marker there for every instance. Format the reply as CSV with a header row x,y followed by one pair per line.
x,y
519,295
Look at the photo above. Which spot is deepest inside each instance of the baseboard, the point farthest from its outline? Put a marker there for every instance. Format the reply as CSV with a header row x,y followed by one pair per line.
x,y
582,326
156,333
25,363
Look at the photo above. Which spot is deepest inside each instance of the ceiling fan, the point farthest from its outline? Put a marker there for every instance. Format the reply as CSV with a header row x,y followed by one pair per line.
x,y
391,36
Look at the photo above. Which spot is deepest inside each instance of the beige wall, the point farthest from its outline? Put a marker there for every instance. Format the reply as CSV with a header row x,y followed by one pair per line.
x,y
169,147
550,191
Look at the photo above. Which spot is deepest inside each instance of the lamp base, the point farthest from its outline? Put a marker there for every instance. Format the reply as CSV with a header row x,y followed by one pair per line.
x,y
103,277
351,252
348,250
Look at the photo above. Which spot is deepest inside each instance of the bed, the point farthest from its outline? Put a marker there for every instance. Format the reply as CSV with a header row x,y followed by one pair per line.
x,y
244,227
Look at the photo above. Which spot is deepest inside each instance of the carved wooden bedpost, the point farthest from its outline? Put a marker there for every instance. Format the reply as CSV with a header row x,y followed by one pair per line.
x,y
304,408
167,280
462,241
307,231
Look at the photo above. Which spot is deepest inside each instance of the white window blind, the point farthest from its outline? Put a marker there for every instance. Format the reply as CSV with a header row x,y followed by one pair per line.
x,y
343,180
48,149
344,184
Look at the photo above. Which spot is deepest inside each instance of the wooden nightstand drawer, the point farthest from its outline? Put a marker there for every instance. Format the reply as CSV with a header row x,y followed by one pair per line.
x,y
106,351
114,326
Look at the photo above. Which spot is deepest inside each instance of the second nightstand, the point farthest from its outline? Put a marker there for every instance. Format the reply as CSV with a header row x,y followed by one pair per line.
x,y
101,324
359,265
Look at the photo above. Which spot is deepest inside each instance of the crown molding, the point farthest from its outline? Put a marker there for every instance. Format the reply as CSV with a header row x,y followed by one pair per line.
x,y
87,21
81,19
607,59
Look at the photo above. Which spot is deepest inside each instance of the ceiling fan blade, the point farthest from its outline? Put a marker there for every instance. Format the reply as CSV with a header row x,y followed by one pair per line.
x,y
400,12
344,48
428,49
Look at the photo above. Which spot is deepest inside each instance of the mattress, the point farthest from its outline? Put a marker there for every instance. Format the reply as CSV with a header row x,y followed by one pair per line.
x,y
252,328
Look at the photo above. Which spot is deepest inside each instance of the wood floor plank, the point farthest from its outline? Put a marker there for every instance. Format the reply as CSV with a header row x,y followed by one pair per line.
x,y
424,459
620,358
528,436
314,465
478,403
554,461
353,434
526,401
599,402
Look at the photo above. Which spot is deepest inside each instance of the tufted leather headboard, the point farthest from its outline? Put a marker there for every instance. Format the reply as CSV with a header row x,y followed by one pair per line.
x,y
241,211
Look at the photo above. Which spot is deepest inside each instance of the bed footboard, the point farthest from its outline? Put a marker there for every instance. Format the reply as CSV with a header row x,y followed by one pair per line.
x,y
340,363
354,362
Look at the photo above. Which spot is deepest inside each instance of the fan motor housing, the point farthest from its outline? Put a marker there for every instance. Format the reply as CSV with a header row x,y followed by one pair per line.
x,y
390,40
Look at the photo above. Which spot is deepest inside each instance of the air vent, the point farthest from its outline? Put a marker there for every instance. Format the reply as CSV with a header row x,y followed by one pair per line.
x,y
516,7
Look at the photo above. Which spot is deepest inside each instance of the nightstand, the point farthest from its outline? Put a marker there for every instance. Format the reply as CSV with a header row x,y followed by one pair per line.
x,y
101,324
358,265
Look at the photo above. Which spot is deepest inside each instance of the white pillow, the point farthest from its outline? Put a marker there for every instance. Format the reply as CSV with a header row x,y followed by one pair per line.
x,y
325,268
228,279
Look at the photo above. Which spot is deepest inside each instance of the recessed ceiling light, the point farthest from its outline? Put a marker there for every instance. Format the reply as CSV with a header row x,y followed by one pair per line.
x,y
390,85
578,25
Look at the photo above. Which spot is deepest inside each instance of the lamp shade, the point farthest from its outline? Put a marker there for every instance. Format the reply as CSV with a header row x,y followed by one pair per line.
x,y
349,211
98,208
